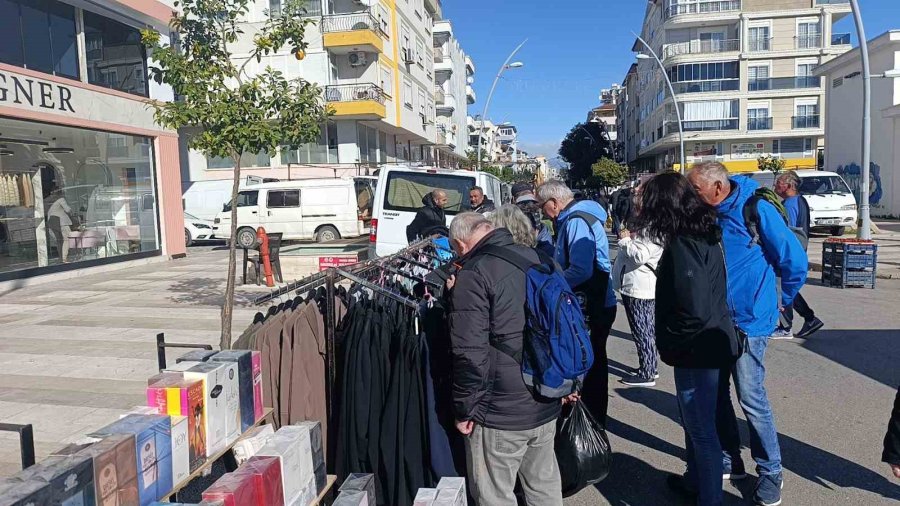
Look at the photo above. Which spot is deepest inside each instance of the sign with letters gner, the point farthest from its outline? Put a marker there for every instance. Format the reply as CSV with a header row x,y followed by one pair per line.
x,y
73,99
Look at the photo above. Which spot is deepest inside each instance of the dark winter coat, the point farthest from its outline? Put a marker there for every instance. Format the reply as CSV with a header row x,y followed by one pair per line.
x,y
487,206
488,303
891,453
429,219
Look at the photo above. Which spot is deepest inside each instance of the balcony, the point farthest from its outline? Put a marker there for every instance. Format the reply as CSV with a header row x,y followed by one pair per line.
x,y
759,45
810,121
707,86
361,101
470,66
470,95
759,123
701,47
442,61
358,31
703,7
785,83
707,125
811,41
444,102
840,39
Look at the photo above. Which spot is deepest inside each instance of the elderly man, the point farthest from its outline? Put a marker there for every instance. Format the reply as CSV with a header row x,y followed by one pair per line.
x,y
431,218
582,250
479,203
787,187
510,431
752,267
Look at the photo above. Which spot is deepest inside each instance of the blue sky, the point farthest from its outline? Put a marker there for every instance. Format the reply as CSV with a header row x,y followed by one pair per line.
x,y
572,53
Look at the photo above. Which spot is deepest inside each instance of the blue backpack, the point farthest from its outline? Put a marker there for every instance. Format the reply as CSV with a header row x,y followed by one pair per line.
x,y
556,345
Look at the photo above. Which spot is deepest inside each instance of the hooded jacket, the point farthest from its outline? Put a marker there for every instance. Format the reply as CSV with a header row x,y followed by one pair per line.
x,y
752,268
487,206
488,303
427,219
580,249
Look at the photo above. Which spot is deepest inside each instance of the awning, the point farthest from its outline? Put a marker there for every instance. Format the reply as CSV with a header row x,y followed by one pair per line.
x,y
739,166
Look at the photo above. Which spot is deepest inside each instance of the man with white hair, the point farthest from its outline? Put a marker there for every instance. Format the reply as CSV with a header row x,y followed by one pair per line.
x,y
752,265
510,431
582,250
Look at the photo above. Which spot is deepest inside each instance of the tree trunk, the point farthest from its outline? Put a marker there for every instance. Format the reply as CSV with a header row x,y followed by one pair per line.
x,y
228,304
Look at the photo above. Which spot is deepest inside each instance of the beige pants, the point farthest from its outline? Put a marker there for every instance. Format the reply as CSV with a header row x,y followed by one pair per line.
x,y
63,242
495,457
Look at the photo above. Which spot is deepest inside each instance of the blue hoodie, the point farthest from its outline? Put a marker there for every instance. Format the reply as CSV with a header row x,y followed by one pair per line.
x,y
752,267
581,253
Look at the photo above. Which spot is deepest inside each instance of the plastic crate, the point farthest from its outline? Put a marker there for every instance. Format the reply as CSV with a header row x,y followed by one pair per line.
x,y
849,263
846,278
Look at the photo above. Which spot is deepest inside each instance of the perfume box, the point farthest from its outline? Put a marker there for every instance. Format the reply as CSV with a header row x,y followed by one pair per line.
x,y
256,361
287,450
115,468
244,361
181,455
195,356
234,489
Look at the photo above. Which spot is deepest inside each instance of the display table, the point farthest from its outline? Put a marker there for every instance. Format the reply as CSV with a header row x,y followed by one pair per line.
x,y
329,483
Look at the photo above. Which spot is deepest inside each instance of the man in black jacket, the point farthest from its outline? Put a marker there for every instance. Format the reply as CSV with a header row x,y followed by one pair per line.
x,y
509,430
479,202
891,454
431,218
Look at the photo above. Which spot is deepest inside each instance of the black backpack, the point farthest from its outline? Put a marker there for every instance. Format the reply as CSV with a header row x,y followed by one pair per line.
x,y
752,220
694,327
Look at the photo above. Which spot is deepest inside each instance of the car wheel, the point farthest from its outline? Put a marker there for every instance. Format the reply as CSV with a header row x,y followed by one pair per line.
x,y
838,231
187,238
246,238
327,234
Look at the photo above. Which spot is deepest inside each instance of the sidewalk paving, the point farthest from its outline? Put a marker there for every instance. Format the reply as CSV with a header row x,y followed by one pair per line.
x,y
75,354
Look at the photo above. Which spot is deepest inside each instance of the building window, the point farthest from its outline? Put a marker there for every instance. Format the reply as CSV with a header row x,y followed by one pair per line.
x,y
420,53
260,159
760,38
384,19
51,39
387,80
115,55
407,93
705,71
324,150
422,103
758,117
809,34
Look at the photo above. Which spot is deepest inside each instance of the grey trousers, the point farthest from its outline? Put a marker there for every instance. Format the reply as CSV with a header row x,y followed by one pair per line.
x,y
495,457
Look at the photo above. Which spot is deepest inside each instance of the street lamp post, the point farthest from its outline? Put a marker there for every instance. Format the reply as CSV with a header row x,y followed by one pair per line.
x,y
865,226
503,68
662,69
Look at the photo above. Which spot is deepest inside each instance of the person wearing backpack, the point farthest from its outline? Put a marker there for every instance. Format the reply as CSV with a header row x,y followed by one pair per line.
x,y
752,267
509,430
634,277
582,251
797,209
694,330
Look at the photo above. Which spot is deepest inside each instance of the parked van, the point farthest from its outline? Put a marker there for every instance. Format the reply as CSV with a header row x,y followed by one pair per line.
x,y
399,193
320,209
832,206
204,199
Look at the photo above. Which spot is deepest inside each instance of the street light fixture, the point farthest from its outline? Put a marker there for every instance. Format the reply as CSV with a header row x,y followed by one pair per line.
x,y
503,68
865,227
662,68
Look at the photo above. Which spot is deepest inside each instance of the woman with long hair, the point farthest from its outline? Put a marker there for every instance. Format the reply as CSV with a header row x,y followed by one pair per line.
x,y
694,330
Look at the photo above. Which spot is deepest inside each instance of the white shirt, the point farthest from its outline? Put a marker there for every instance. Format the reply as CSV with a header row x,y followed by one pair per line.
x,y
631,275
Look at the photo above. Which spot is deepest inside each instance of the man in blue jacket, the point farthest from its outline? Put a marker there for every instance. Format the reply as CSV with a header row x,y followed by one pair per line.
x,y
582,250
752,268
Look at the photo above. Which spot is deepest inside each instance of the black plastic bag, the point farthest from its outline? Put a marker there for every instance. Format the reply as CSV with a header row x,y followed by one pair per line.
x,y
582,450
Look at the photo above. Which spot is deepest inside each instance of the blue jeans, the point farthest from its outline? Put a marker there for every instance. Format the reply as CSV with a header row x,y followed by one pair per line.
x,y
698,391
749,380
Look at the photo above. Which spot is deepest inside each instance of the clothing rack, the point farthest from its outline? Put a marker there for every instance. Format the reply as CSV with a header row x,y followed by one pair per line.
x,y
377,289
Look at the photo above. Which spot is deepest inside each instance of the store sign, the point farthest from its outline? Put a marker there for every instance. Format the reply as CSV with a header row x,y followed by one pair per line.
x,y
338,262
701,149
747,150
35,93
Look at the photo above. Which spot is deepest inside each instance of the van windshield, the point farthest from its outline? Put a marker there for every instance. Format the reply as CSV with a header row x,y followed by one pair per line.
x,y
245,199
405,190
823,185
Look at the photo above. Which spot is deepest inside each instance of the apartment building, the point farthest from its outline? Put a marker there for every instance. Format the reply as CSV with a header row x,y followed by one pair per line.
x,y
627,124
374,63
454,73
487,133
743,77
78,136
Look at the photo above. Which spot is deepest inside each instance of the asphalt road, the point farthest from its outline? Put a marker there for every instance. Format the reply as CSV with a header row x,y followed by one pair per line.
x,y
832,395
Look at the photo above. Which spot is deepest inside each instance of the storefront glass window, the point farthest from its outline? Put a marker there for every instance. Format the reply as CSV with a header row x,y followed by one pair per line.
x,y
116,58
66,197
49,27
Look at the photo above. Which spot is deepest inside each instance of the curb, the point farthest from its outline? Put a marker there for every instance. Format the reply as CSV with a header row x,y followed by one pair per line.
x,y
817,267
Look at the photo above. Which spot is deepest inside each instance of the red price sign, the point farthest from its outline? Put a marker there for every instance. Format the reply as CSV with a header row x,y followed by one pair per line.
x,y
329,262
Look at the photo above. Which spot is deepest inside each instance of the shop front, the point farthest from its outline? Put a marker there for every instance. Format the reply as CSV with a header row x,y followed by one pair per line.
x,y
86,177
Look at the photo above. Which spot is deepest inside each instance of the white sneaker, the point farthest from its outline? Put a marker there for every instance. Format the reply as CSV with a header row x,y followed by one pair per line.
x,y
782,334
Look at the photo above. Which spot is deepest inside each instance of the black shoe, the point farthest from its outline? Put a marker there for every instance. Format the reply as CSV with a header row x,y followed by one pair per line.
x,y
638,381
810,327
677,483
735,471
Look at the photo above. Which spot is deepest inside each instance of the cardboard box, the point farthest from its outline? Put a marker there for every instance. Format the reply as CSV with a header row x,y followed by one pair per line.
x,y
195,356
267,473
451,492
14,492
181,455
244,361
362,482
232,401
153,452
287,450
256,361
115,468
425,497
308,493
234,489
214,414
56,480
251,442
352,498
313,430
301,436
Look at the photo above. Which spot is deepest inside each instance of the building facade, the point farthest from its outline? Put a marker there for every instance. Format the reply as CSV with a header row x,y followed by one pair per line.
x,y
485,132
843,133
374,62
454,73
86,176
743,77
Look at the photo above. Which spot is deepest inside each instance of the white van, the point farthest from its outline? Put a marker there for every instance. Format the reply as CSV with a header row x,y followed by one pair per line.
x,y
832,206
320,209
399,193
204,199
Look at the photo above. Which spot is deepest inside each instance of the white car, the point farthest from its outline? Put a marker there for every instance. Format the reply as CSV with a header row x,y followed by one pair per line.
x,y
197,230
832,206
